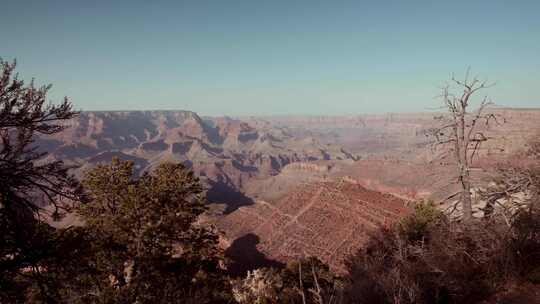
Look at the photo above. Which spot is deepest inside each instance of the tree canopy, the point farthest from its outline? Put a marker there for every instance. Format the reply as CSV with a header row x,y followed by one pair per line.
x,y
147,246
27,183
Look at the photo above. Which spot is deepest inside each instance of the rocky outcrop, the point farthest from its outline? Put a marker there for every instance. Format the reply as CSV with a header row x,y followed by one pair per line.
x,y
309,167
329,220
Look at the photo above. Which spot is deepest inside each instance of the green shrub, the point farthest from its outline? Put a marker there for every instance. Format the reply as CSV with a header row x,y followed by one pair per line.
x,y
426,258
415,227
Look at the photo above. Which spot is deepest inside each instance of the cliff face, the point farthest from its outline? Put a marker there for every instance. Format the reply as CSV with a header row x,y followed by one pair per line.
x,y
224,152
243,155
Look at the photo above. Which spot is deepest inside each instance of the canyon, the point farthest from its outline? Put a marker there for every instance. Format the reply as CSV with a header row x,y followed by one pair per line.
x,y
282,187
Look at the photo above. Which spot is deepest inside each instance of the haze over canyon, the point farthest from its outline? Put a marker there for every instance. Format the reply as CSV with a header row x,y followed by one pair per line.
x,y
279,184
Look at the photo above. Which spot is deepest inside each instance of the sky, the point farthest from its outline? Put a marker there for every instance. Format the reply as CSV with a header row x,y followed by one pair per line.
x,y
278,57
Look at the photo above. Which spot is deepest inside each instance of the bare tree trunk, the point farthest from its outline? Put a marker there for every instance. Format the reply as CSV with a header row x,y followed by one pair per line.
x,y
466,201
459,135
463,163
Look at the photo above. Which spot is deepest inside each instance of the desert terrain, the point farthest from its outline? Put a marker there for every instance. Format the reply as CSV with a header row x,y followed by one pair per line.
x,y
277,184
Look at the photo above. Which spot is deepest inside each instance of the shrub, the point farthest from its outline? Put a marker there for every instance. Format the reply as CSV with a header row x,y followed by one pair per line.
x,y
428,259
304,281
261,286
525,243
309,280
415,227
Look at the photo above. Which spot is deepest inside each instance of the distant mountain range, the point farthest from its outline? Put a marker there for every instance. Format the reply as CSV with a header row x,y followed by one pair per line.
x,y
402,134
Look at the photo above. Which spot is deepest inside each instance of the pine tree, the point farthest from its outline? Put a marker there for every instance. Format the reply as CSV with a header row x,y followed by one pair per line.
x,y
147,244
28,184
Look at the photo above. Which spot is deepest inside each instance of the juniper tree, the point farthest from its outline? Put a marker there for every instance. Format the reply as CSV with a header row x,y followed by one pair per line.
x,y
148,246
27,183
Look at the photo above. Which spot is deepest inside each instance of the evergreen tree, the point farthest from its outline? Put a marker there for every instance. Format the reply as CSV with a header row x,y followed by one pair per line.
x,y
28,184
146,244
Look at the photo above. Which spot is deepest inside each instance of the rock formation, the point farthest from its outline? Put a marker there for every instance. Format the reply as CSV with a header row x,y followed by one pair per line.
x,y
224,152
329,220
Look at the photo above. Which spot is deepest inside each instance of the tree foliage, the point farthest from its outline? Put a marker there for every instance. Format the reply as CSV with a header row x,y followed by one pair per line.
x,y
27,183
427,258
145,243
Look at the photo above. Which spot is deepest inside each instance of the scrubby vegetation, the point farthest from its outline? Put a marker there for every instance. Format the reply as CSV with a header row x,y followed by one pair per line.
x,y
429,257
433,260
141,240
305,281
425,258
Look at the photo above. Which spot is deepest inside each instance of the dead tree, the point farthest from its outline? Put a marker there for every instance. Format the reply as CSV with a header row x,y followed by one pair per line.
x,y
460,132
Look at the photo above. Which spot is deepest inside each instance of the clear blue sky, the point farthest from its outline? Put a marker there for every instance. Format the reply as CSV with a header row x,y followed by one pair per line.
x,y
272,57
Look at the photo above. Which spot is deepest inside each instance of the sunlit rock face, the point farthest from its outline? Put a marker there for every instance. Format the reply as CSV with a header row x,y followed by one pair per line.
x,y
226,153
329,220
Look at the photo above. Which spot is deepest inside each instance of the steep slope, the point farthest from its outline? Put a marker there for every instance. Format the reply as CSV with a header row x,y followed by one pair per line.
x,y
329,220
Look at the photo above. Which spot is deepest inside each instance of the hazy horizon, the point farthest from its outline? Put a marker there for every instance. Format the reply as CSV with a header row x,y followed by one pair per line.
x,y
427,110
247,58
